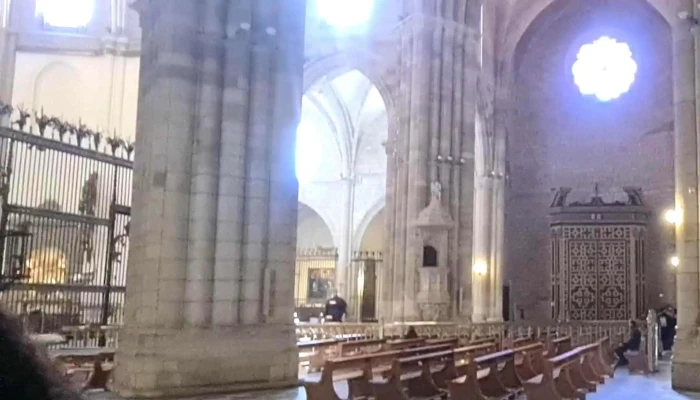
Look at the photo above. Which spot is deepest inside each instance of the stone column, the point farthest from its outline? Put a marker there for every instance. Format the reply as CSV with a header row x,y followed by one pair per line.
x,y
501,105
8,52
482,252
686,354
435,99
210,284
345,275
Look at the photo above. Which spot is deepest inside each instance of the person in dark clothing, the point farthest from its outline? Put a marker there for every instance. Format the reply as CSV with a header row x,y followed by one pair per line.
x,y
26,372
411,334
336,308
631,345
667,323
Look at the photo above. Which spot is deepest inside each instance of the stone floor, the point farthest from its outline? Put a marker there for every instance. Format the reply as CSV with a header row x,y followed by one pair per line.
x,y
623,386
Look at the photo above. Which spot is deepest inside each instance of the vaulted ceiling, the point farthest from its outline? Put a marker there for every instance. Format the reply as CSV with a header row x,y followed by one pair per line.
x,y
345,119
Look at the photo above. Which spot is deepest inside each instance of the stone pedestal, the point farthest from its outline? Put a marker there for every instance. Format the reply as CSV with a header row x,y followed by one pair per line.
x,y
434,224
211,267
433,297
156,363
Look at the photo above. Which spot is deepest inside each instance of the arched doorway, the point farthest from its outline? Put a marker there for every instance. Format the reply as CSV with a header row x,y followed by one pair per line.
x,y
342,163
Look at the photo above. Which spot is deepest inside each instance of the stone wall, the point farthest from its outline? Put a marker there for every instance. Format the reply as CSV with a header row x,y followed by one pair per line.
x,y
557,137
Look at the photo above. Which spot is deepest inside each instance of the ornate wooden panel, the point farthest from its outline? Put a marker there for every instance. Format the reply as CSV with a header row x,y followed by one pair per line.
x,y
597,262
598,258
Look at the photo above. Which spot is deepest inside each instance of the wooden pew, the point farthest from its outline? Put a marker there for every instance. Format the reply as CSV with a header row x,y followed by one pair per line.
x,y
518,342
415,374
359,370
527,368
316,352
86,368
559,345
484,380
638,361
398,344
567,376
360,346
456,366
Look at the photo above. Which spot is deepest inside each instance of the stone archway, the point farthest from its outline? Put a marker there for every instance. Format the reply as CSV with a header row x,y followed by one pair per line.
x,y
345,117
312,230
526,12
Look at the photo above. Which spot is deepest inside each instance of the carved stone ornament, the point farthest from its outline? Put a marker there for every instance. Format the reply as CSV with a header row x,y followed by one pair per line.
x,y
434,215
432,311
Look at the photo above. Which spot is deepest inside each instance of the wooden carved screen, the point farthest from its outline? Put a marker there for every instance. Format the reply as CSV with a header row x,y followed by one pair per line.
x,y
598,257
598,272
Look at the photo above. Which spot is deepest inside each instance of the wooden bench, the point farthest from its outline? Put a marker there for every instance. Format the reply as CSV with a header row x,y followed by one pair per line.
x,y
86,368
456,366
315,352
518,342
483,379
558,345
351,347
567,376
359,370
638,361
412,377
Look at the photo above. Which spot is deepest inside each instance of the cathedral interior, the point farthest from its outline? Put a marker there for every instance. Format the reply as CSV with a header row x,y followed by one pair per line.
x,y
193,180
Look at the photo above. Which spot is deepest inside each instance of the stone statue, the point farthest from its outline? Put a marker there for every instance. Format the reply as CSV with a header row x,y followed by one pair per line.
x,y
560,197
436,191
634,196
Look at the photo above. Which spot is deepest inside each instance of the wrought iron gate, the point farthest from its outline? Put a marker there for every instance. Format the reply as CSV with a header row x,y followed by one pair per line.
x,y
65,194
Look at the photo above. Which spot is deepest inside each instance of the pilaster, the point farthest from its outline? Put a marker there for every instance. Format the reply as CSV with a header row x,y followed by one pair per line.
x,y
211,270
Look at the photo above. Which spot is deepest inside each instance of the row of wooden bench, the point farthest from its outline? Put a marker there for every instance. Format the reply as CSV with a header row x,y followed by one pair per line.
x,y
315,353
486,370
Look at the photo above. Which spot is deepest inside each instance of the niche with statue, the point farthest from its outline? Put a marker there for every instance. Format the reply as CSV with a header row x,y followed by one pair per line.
x,y
433,225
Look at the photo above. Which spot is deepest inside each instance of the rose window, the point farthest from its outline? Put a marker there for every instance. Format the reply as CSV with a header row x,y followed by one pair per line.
x,y
604,68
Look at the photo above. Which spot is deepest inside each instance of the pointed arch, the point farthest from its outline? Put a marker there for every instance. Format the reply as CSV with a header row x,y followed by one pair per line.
x,y
526,13
57,90
365,222
313,230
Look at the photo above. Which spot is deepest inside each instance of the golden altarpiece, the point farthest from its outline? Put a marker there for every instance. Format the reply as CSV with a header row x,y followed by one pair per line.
x,y
598,257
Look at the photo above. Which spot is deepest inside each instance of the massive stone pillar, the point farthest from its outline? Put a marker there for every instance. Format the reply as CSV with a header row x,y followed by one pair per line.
x,y
686,352
211,269
439,63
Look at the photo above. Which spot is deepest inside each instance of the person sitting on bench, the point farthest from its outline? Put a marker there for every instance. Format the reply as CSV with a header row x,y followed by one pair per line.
x,y
411,334
631,345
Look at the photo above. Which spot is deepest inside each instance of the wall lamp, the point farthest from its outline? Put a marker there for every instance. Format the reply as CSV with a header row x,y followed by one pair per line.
x,y
674,216
675,261
480,268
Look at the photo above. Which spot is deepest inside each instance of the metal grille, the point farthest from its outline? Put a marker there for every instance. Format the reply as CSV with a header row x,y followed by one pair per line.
x,y
64,223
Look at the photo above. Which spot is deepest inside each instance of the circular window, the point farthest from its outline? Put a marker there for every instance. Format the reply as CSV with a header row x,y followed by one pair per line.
x,y
604,68
345,13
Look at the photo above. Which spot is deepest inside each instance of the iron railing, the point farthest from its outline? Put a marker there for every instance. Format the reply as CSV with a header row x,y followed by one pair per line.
x,y
65,192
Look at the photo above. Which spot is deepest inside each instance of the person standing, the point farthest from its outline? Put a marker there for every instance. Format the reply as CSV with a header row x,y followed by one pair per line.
x,y
336,309
668,328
